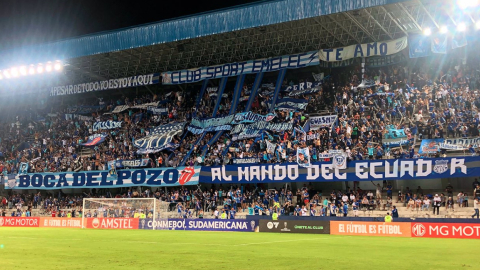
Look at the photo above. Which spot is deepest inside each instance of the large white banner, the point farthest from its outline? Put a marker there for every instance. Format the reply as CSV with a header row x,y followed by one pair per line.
x,y
317,122
363,50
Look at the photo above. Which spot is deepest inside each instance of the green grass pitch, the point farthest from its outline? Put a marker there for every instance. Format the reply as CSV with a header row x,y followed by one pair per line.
x,y
50,248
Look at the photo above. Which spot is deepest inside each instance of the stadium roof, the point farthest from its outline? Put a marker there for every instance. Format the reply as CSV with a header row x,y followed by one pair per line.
x,y
259,30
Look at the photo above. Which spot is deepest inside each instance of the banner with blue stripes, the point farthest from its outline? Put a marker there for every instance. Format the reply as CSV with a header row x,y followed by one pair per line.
x,y
239,68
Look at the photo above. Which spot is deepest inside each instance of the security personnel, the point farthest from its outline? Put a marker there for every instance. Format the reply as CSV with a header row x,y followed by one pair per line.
x,y
274,216
136,215
224,215
142,215
388,218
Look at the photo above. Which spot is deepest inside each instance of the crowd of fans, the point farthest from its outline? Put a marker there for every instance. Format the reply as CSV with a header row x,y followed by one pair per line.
x,y
423,101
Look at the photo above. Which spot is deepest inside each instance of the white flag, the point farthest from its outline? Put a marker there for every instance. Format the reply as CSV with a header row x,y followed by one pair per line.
x,y
271,147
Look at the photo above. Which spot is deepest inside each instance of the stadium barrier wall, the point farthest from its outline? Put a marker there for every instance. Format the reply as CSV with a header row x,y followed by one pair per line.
x,y
198,224
413,228
369,219
295,226
396,229
60,222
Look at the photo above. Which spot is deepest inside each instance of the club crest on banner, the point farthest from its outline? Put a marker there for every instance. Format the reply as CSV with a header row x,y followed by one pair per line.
x,y
441,166
12,183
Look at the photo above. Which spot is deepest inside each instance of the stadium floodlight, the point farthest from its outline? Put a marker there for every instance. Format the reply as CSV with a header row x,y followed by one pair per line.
x,y
427,31
477,25
461,27
23,70
48,67
40,69
57,66
443,29
6,73
14,72
464,4
31,70
1,76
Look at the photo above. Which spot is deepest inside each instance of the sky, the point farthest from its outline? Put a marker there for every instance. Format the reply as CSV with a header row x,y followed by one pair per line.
x,y
28,22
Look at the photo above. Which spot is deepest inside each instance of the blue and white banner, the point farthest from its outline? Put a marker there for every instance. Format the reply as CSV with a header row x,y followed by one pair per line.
x,y
103,179
143,106
197,131
250,117
459,40
212,122
133,81
112,168
419,46
395,134
430,146
395,142
300,86
303,157
305,91
95,139
465,142
439,43
159,139
291,104
453,147
261,125
106,125
135,163
317,122
363,50
23,168
162,111
85,109
237,225
360,170
239,68
250,160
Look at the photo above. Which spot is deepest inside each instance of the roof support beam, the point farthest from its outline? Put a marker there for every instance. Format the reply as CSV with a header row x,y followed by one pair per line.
x,y
410,17
428,14
359,25
344,29
393,20
328,31
378,24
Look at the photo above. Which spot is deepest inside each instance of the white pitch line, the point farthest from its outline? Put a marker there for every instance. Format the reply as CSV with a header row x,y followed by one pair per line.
x,y
273,242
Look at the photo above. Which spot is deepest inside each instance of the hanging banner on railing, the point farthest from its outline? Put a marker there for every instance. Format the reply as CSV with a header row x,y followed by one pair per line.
x,y
95,139
239,68
197,131
127,82
212,122
301,86
395,142
361,170
465,142
363,50
106,125
305,91
317,122
261,125
162,111
291,104
250,117
159,139
136,163
250,160
85,109
430,146
103,179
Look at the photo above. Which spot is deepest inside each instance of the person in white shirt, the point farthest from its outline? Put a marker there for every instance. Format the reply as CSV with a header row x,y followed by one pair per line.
x,y
304,211
475,207
426,203
345,198
215,214
437,201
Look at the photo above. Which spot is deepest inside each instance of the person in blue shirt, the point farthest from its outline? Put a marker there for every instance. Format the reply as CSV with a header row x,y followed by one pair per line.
x,y
345,209
355,206
333,210
250,210
297,211
394,212
313,212
232,214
